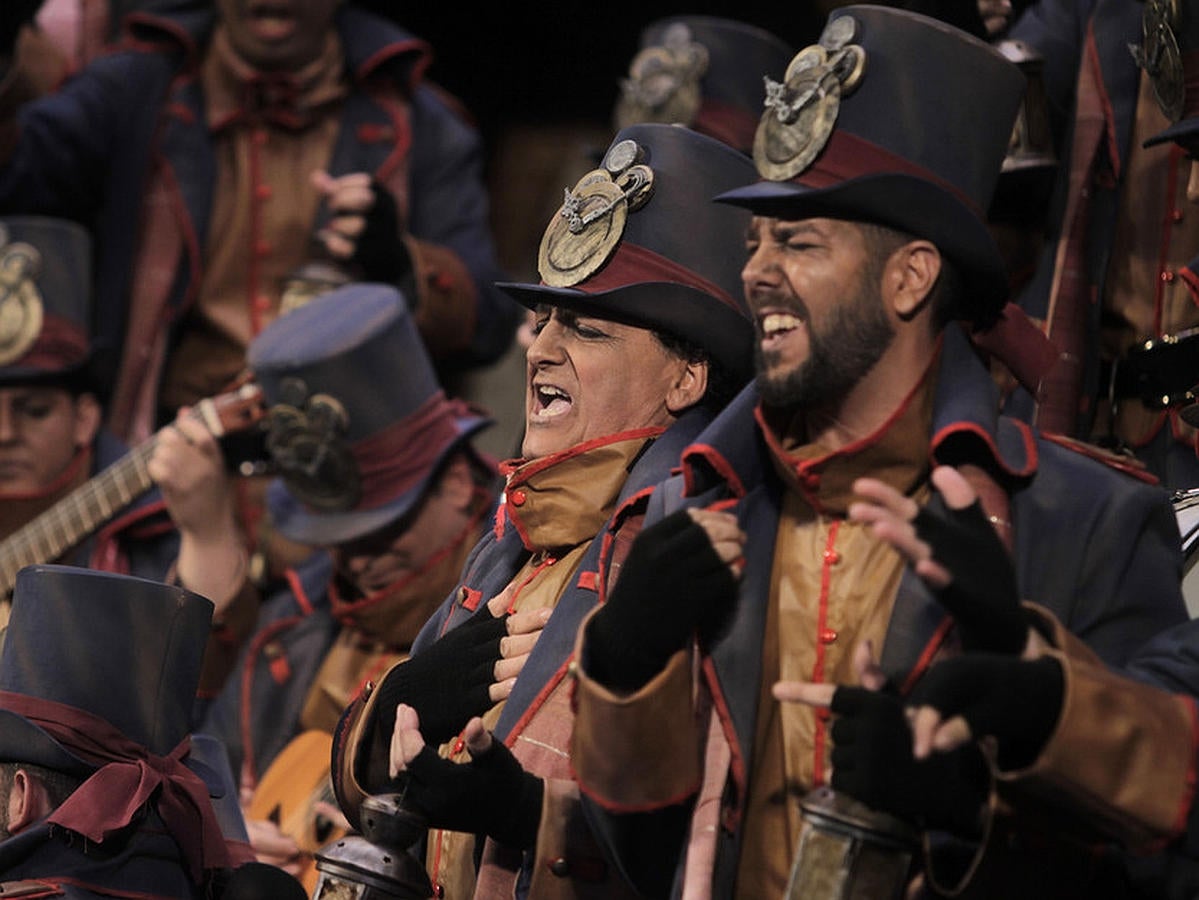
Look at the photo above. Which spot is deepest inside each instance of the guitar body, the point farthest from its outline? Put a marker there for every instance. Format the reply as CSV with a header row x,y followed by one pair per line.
x,y
288,795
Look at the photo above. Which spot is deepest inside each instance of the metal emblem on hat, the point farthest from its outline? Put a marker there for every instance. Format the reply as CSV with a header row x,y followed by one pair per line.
x,y
801,111
589,225
664,81
21,307
1159,56
306,443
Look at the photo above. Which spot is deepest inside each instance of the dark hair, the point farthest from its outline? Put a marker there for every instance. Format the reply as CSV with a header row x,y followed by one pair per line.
x,y
721,386
944,297
59,786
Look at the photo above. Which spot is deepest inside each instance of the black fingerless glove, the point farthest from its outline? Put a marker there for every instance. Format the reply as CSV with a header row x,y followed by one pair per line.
x,y
492,794
379,253
983,597
1014,701
873,763
448,682
672,584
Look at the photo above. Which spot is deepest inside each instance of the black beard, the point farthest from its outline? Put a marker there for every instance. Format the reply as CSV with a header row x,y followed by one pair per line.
x,y
839,356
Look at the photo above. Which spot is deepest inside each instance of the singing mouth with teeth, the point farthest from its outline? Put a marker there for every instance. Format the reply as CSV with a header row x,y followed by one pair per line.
x,y
776,324
550,400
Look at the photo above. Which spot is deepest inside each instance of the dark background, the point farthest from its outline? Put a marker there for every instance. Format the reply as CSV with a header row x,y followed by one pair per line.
x,y
537,62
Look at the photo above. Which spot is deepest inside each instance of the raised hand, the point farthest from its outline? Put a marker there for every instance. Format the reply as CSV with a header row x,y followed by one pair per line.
x,y
1015,702
364,226
957,553
873,759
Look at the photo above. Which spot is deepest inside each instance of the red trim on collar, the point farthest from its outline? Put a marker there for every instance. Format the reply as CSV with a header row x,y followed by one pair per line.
x,y
716,460
518,471
422,49
1030,445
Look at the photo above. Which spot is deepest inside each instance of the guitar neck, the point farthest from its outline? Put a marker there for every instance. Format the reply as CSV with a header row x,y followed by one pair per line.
x,y
76,516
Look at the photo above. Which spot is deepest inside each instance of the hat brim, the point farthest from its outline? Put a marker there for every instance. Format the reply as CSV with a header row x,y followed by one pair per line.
x,y
667,306
1183,128
904,202
297,522
22,741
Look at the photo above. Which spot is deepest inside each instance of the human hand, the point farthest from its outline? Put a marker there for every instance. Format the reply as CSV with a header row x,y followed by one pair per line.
x,y
189,469
956,552
464,672
491,794
680,577
996,15
273,847
364,226
975,695
873,758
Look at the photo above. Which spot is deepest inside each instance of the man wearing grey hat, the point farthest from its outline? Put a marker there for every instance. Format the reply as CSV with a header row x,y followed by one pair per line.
x,y
877,293
376,469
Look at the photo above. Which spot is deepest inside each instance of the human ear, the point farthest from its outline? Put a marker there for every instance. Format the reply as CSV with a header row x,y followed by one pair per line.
x,y
689,387
911,273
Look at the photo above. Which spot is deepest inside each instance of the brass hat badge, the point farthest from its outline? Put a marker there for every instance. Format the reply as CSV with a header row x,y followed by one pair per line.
x,y
664,81
589,225
1159,56
802,110
21,307
305,440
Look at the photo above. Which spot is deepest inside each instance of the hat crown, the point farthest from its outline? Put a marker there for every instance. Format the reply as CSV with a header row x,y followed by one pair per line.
x,y
357,344
126,649
929,96
357,420
640,240
685,61
45,296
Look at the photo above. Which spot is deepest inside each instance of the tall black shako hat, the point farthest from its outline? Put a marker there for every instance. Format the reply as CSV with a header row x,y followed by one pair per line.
x,y
639,241
358,422
704,72
1169,53
898,119
98,679
45,301
125,649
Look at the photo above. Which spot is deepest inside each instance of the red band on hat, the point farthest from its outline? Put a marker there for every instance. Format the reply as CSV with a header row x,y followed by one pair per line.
x,y
631,264
1190,84
127,777
847,156
60,345
396,459
727,123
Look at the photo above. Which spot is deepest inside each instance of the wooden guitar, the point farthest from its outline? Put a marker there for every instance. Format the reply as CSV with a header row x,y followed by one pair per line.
x,y
290,792
82,512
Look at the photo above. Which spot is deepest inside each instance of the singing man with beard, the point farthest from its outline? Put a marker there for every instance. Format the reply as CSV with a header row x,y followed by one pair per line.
x,y
873,283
